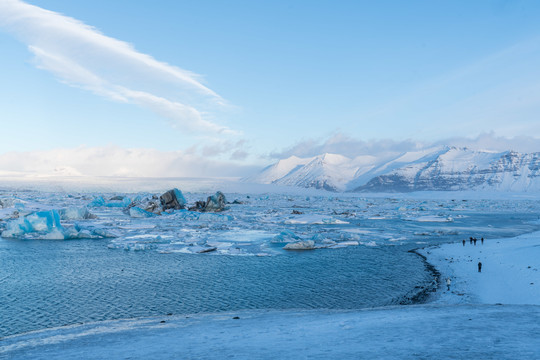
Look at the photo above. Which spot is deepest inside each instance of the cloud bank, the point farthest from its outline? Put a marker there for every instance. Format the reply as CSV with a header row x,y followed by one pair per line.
x,y
345,145
81,56
207,161
116,161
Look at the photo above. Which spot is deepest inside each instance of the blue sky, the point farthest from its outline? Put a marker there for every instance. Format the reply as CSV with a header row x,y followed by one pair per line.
x,y
255,78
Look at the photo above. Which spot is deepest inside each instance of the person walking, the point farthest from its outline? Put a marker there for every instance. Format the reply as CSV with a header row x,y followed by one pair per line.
x,y
474,240
482,240
470,240
448,282
479,266
463,242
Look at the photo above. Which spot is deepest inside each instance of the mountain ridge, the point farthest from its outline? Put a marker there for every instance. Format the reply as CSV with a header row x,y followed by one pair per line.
x,y
442,168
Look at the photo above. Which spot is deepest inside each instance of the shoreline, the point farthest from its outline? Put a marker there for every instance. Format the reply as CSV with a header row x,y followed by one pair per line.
x,y
424,295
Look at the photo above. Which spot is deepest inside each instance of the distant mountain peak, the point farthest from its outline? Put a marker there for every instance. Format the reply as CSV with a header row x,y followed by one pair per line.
x,y
439,168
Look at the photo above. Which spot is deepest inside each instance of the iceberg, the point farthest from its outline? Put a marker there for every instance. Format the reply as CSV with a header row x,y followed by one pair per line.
x,y
173,199
300,245
46,225
39,221
286,236
214,203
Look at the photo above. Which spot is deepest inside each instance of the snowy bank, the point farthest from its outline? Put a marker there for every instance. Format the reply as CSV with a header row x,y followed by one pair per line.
x,y
510,270
405,332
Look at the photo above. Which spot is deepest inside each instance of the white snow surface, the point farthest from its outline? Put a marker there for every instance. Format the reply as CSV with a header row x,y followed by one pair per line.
x,y
494,314
510,270
411,332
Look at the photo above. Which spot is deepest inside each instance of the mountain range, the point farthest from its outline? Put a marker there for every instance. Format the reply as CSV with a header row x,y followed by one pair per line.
x,y
435,169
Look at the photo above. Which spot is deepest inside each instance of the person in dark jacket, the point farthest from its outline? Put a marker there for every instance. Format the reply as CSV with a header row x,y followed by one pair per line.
x,y
479,266
463,242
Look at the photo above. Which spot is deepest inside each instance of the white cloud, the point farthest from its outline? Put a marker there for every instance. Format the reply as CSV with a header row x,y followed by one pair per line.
x,y
80,55
116,161
351,147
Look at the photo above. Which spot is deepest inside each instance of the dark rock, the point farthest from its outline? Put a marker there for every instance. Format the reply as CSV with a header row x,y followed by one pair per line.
x,y
172,199
214,203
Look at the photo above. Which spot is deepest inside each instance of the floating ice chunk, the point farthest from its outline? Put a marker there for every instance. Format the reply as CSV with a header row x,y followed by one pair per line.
x,y
216,202
75,213
152,205
100,201
207,249
300,245
369,243
434,218
286,236
100,232
137,212
77,233
39,221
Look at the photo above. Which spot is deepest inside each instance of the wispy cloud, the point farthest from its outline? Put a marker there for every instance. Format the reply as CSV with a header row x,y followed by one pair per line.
x,y
497,92
80,55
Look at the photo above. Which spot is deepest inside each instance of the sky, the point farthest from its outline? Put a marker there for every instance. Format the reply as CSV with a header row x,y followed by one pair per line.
x,y
216,87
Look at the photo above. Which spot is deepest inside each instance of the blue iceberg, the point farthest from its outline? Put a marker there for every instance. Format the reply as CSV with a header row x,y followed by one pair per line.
x,y
47,222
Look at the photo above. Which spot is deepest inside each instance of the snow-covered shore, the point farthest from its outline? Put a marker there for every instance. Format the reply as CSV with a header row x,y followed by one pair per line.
x,y
401,332
482,316
510,271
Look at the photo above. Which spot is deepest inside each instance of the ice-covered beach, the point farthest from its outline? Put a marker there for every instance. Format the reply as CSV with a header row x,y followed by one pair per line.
x,y
494,314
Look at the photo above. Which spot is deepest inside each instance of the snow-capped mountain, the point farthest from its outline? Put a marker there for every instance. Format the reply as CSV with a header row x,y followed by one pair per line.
x,y
328,171
436,169
463,169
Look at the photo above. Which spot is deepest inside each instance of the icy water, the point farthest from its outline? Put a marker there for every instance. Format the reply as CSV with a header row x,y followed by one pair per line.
x,y
152,266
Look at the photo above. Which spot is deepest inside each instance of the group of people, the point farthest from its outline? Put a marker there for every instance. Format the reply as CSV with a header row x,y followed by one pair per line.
x,y
473,241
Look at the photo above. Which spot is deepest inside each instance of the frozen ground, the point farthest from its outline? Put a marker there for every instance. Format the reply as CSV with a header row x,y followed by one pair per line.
x,y
510,271
407,332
